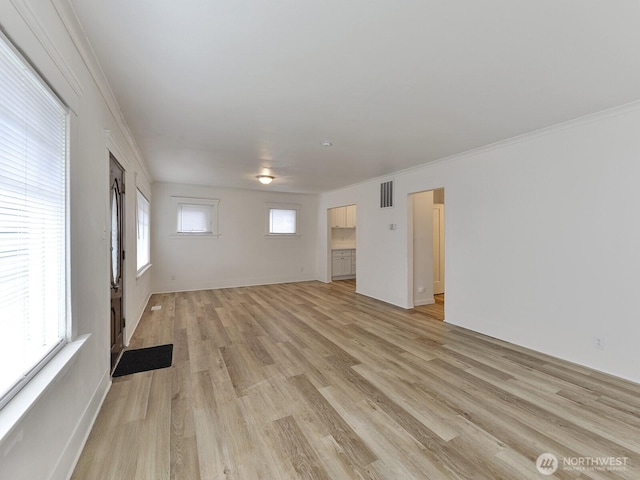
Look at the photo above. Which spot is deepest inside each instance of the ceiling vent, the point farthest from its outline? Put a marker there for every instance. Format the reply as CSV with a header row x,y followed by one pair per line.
x,y
386,194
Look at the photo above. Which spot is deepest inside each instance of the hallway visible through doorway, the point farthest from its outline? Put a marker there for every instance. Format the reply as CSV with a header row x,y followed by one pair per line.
x,y
435,310
426,259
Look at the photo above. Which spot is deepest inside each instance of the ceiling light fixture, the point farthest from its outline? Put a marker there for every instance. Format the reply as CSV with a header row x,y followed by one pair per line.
x,y
327,144
265,179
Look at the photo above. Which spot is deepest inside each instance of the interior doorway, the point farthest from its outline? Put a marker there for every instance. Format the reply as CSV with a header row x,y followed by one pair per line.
x,y
427,255
342,242
116,209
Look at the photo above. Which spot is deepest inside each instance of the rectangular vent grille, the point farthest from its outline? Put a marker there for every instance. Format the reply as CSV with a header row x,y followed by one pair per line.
x,y
386,194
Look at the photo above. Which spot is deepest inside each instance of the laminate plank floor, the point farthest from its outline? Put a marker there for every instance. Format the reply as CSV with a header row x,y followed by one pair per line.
x,y
312,381
435,310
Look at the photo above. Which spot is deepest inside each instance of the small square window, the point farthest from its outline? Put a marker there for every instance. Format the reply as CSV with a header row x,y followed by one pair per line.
x,y
282,219
196,216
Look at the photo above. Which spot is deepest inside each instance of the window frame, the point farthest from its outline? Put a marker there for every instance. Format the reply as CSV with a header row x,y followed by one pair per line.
x,y
282,206
45,360
212,203
140,269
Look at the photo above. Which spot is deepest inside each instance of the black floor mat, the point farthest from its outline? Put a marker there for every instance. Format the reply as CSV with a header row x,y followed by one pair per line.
x,y
144,359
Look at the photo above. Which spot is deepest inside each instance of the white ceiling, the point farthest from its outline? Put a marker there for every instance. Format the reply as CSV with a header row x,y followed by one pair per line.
x,y
216,90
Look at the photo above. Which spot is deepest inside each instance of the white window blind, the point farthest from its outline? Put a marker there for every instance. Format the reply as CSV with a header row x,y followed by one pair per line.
x,y
194,218
143,241
282,221
33,226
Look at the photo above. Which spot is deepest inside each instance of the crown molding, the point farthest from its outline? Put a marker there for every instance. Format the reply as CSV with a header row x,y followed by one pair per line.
x,y
71,22
542,132
31,19
114,147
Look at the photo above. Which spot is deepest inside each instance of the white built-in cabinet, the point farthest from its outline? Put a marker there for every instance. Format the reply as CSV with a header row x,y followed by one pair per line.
x,y
343,217
343,263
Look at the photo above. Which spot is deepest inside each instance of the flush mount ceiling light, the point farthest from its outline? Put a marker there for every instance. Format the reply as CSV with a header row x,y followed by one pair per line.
x,y
265,179
327,144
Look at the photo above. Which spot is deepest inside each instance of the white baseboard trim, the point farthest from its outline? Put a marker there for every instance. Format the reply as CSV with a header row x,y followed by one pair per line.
x,y
72,451
428,301
388,302
343,277
239,283
130,330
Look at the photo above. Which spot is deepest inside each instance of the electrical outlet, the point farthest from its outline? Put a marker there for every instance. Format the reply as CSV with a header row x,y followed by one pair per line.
x,y
598,342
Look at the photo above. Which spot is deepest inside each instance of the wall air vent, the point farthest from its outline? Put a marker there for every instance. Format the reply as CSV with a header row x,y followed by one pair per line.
x,y
386,194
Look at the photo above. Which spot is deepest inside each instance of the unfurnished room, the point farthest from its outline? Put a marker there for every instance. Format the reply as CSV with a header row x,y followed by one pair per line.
x,y
319,240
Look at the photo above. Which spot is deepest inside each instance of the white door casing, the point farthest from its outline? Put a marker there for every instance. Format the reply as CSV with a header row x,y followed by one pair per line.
x,y
438,249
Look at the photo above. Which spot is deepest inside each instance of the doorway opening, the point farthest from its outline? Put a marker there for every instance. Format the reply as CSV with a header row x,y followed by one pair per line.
x,y
427,255
116,257
342,243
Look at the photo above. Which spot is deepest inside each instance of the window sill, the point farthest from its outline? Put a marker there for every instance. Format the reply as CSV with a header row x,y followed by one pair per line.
x,y
282,235
194,235
25,399
143,270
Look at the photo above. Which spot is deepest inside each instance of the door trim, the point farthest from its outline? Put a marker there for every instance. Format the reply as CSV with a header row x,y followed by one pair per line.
x,y
116,348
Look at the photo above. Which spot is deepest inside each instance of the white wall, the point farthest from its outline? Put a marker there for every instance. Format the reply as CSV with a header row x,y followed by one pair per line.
x,y
45,443
343,238
542,238
542,241
243,254
421,251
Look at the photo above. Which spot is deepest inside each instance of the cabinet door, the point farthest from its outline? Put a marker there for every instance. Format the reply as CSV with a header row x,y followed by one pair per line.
x,y
350,216
338,217
341,265
347,266
353,265
340,270
336,267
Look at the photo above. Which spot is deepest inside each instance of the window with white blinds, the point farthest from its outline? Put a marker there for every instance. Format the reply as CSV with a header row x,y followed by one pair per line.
x,y
282,219
143,240
282,222
33,222
194,218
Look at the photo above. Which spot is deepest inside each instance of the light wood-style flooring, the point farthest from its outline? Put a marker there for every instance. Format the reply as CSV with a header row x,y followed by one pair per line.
x,y
435,310
311,381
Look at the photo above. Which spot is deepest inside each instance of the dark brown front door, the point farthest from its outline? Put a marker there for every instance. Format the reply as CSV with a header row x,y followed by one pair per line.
x,y
116,201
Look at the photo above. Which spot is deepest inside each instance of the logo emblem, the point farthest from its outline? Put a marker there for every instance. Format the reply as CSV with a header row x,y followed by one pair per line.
x,y
547,464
